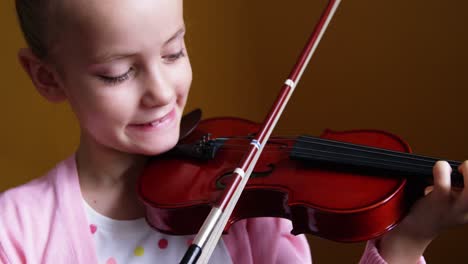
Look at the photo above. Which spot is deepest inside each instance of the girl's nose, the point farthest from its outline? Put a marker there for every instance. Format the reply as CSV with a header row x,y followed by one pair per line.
x,y
158,90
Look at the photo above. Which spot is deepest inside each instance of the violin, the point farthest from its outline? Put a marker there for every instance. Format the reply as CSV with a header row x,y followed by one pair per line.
x,y
344,186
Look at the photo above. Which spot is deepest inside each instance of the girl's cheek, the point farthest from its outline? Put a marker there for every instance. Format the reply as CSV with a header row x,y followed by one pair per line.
x,y
185,78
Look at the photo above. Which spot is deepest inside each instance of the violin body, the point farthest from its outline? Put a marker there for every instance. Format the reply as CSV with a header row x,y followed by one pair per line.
x,y
345,205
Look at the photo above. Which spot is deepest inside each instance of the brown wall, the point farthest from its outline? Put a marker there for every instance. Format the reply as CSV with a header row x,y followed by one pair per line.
x,y
399,66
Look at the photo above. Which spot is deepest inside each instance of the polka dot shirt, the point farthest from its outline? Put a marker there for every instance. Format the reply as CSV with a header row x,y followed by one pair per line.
x,y
134,241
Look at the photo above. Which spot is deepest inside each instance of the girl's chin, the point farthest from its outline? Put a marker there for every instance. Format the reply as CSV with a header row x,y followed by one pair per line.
x,y
152,145
155,148
152,152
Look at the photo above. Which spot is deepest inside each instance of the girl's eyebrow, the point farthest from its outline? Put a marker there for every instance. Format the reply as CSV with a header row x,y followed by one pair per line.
x,y
107,57
179,32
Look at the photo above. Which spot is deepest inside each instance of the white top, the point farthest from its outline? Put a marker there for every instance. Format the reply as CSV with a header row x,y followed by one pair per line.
x,y
134,241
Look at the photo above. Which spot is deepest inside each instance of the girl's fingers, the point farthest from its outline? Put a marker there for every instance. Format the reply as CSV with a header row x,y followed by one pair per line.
x,y
428,189
442,182
463,198
463,169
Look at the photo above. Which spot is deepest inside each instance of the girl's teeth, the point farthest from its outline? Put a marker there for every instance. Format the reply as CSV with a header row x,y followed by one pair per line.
x,y
155,123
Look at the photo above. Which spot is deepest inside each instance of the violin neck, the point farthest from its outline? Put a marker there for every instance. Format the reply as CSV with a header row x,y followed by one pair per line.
x,y
364,158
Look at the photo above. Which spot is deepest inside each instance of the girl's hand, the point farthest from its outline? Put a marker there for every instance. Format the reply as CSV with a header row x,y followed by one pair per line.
x,y
439,209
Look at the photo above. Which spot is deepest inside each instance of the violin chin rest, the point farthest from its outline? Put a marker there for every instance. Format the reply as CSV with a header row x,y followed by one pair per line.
x,y
189,122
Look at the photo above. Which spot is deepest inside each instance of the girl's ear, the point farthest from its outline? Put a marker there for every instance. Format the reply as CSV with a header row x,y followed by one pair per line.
x,y
43,77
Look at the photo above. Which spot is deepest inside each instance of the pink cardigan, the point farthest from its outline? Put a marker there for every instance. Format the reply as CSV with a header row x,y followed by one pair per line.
x,y
44,221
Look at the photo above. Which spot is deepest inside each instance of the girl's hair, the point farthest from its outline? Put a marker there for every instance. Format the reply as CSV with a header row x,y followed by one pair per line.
x,y
35,19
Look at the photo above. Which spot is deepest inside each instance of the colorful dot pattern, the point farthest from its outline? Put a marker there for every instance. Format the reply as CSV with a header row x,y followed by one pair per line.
x,y
135,242
111,261
163,243
139,251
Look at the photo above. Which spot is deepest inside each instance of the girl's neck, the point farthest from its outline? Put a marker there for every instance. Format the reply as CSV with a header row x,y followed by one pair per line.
x,y
108,180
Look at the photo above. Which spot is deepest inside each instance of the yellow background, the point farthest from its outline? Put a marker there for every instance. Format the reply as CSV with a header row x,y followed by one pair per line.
x,y
399,66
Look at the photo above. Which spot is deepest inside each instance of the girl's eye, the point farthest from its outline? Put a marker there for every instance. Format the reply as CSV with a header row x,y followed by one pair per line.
x,y
173,57
113,80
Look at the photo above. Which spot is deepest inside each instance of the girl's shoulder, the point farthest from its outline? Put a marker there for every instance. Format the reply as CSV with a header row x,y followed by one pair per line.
x,y
34,217
32,196
40,196
27,204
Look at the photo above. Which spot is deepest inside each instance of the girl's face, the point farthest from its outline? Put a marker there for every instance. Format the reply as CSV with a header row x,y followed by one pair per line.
x,y
125,71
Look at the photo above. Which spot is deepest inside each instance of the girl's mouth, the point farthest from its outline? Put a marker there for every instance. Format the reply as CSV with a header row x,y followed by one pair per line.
x,y
157,122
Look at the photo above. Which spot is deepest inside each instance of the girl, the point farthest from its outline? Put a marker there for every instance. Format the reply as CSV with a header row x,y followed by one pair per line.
x,y
123,67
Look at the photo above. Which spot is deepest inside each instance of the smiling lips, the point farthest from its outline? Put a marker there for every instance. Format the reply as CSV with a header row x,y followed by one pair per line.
x,y
157,122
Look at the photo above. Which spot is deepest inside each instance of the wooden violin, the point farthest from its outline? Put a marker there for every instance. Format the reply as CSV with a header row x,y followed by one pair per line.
x,y
345,186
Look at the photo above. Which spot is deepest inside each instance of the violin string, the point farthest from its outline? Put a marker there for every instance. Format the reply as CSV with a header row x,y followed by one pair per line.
x,y
340,144
350,146
410,159
386,154
333,156
356,159
375,163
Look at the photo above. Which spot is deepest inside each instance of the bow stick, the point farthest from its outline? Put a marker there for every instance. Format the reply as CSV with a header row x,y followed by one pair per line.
x,y
209,234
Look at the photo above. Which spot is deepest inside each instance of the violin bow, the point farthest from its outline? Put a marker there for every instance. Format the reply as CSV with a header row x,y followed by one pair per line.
x,y
209,234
